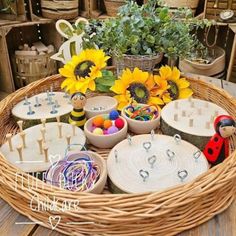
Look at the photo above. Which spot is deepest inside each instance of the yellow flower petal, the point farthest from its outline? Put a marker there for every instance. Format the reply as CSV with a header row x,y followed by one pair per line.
x,y
140,76
166,98
118,87
165,72
155,101
185,93
175,74
182,83
92,85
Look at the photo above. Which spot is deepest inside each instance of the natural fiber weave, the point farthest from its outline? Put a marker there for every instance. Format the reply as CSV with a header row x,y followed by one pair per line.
x,y
158,213
112,6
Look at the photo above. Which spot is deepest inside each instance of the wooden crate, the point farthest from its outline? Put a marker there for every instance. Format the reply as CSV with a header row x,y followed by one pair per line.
x,y
19,12
11,36
213,13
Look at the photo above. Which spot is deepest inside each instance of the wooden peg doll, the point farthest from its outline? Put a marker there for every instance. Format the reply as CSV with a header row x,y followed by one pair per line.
x,y
78,101
217,149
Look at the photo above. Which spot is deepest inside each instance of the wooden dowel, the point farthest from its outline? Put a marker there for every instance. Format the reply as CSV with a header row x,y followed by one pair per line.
x,y
20,124
58,119
43,121
68,138
40,142
22,135
8,137
19,149
43,132
45,150
60,129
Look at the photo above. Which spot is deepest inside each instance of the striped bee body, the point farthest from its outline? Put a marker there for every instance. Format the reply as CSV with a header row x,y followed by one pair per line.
x,y
78,116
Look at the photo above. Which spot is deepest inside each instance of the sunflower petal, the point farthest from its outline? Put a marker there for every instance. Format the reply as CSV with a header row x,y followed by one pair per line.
x,y
166,98
165,72
185,93
182,83
118,87
155,101
175,74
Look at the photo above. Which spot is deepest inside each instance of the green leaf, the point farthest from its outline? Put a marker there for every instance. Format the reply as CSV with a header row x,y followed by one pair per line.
x,y
102,88
105,81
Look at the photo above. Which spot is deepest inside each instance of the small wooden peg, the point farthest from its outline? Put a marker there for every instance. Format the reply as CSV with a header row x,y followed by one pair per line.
x,y
8,137
68,138
22,135
176,117
73,127
43,132
191,123
43,121
208,125
176,105
58,119
60,129
20,124
40,142
45,150
183,113
199,111
19,149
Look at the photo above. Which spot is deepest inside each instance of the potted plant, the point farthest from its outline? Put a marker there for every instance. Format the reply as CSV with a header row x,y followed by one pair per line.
x,y
139,35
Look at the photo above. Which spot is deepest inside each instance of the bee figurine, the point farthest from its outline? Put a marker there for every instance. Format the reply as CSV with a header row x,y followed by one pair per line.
x,y
78,101
217,149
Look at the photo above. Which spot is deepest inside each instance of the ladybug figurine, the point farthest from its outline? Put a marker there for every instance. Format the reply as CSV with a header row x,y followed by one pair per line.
x,y
217,149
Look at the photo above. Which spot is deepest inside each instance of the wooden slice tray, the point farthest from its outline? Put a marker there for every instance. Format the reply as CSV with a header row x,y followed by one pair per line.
x,y
158,213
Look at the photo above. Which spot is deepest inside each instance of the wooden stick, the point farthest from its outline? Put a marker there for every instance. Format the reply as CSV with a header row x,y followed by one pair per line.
x,y
60,129
43,132
45,150
58,119
8,137
176,117
20,124
40,142
191,123
43,121
22,135
73,127
19,149
68,138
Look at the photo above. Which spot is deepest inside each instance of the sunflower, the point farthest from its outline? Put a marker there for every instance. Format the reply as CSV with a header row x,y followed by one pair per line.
x,y
82,70
136,86
178,87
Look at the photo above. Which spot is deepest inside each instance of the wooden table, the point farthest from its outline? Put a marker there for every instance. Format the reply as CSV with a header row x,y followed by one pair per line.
x,y
223,224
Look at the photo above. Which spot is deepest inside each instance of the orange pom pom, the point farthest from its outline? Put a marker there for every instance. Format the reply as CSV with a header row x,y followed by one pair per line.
x,y
107,124
98,121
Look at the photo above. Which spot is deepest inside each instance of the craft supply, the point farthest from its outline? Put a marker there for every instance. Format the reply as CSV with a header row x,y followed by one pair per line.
x,y
20,111
20,124
9,137
43,121
22,135
193,123
76,172
107,124
98,131
19,150
112,130
217,149
59,125
58,118
45,150
155,165
37,104
119,123
73,127
78,101
113,115
26,102
30,112
68,138
98,121
37,137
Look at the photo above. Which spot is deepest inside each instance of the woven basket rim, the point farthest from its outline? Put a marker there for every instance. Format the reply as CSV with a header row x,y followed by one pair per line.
x,y
194,184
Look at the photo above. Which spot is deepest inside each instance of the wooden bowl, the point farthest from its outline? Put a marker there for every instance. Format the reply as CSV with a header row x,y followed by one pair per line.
x,y
141,127
105,141
99,105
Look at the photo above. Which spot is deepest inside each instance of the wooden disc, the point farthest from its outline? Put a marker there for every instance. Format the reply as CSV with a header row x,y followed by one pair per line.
x,y
128,163
192,118
44,111
33,161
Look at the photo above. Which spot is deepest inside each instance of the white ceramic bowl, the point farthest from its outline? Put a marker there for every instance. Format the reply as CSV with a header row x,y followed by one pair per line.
x,y
104,141
99,105
141,127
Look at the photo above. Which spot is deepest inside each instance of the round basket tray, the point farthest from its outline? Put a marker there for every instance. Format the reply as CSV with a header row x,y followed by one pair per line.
x,y
158,213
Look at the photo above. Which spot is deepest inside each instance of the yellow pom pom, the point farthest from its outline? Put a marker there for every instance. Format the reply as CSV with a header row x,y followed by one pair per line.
x,y
98,131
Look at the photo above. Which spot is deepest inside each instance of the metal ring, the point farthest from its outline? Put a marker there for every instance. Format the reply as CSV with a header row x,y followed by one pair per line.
x,y
152,160
197,154
182,174
144,174
170,154
177,138
147,145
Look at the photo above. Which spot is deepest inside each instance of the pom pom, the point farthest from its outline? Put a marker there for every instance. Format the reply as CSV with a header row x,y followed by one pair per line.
x,y
98,131
119,123
112,130
114,115
105,132
98,121
107,124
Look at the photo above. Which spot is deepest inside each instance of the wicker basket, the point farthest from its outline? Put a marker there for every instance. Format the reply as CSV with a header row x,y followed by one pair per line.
x,y
193,4
158,213
31,68
145,63
59,9
112,6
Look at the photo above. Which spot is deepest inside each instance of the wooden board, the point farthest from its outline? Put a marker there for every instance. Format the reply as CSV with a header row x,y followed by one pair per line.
x,y
45,110
152,163
33,160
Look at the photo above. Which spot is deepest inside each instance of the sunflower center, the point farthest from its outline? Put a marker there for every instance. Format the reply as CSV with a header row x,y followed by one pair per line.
x,y
139,92
83,68
173,90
